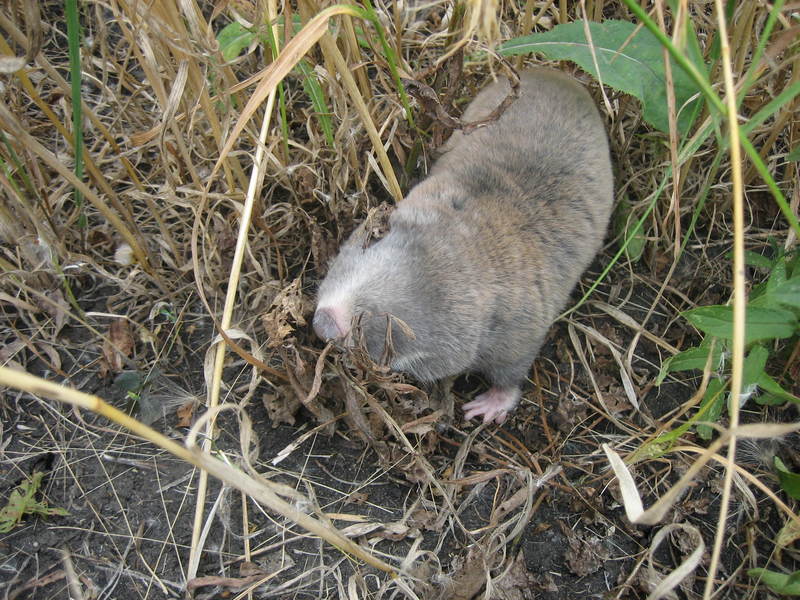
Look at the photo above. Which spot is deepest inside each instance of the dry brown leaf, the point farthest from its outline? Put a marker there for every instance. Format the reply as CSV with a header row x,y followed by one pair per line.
x,y
231,583
357,498
616,400
249,568
478,477
323,248
281,406
52,353
57,308
287,311
376,224
425,519
9,351
37,583
570,412
585,554
117,346
469,577
422,425
395,531
185,414
517,583
415,471
788,535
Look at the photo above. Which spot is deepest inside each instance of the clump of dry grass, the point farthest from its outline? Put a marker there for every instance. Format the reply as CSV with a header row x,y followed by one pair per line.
x,y
215,193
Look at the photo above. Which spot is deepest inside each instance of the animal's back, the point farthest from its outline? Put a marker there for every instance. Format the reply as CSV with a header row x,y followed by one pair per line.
x,y
530,195
550,140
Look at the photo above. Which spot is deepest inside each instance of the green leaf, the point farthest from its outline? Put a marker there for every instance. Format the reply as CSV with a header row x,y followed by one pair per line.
x,y
787,292
664,442
793,264
780,583
761,323
790,482
232,39
21,502
794,155
633,64
314,91
774,393
713,402
768,400
754,259
754,364
128,381
778,274
761,294
693,358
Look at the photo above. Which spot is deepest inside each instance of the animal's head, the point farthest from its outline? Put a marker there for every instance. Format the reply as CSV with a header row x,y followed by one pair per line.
x,y
369,295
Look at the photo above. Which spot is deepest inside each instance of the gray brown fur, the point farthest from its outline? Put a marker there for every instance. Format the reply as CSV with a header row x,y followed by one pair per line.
x,y
482,255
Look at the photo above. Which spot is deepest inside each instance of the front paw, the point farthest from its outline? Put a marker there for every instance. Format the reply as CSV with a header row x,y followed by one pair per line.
x,y
493,405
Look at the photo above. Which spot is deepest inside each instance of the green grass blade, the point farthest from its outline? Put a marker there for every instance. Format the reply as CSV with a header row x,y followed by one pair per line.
x,y
718,104
74,42
762,44
20,168
769,109
391,59
318,101
780,199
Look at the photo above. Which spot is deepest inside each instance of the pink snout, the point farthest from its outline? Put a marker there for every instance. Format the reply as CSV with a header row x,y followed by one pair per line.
x,y
331,323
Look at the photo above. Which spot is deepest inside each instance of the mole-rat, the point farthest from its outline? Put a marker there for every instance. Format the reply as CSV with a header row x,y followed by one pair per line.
x,y
481,256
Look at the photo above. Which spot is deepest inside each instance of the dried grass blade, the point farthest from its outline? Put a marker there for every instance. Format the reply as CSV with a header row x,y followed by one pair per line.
x,y
739,297
633,503
56,77
683,570
8,120
630,322
268,78
751,478
627,382
332,51
256,180
573,336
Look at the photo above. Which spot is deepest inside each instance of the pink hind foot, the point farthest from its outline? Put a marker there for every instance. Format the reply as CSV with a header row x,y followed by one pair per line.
x,y
494,405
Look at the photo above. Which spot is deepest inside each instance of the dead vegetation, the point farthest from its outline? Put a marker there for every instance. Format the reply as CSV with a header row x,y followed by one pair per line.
x,y
176,268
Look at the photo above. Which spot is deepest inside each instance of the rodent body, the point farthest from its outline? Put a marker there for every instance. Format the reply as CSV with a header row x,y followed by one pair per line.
x,y
482,255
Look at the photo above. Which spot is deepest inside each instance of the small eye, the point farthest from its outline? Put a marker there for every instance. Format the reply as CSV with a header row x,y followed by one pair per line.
x,y
457,203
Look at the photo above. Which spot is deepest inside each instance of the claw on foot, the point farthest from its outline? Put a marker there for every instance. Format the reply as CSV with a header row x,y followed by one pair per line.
x,y
493,405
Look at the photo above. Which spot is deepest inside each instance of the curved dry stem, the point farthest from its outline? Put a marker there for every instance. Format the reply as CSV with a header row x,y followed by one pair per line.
x,y
200,459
